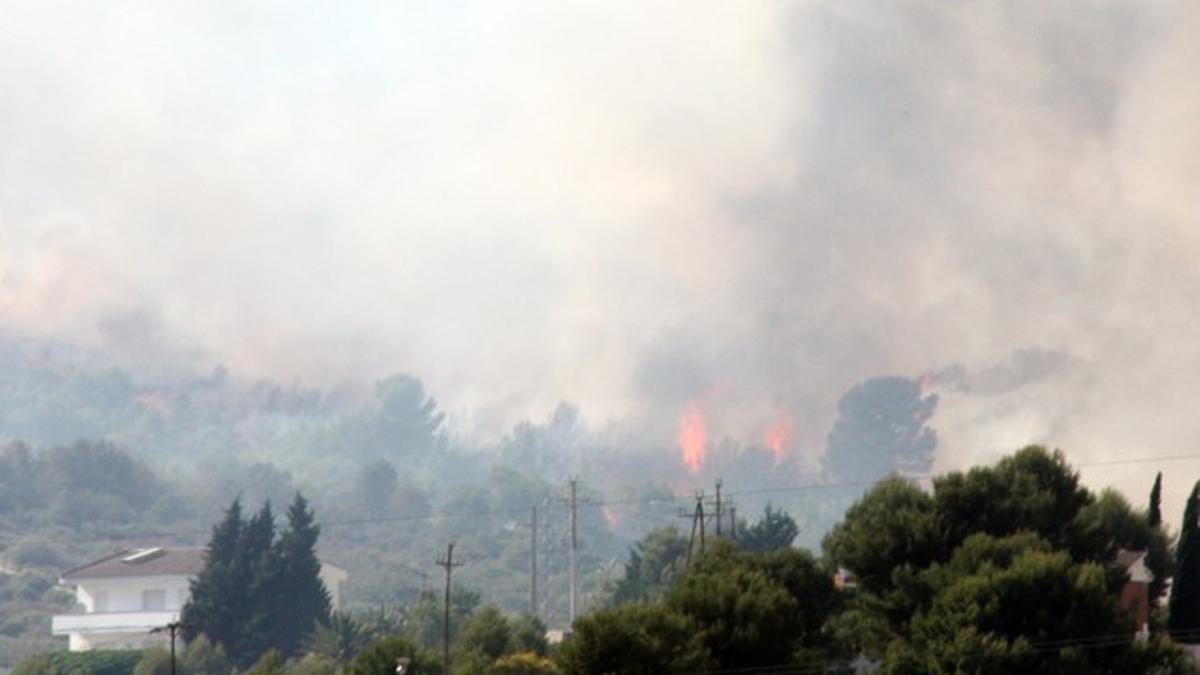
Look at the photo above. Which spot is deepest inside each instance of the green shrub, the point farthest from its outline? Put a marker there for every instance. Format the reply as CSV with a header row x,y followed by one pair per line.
x,y
100,662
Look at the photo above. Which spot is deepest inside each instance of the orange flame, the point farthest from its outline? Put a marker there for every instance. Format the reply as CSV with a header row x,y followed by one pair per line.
x,y
693,436
924,383
611,517
778,437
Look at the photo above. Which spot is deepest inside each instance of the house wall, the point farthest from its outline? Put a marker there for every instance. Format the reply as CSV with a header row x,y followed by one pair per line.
x,y
128,594
1135,599
333,577
117,613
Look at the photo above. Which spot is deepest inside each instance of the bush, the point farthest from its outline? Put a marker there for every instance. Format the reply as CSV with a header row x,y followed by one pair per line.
x,y
524,663
99,662
35,555
380,658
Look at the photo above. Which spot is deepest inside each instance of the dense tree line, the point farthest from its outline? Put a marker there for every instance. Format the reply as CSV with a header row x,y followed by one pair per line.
x,y
257,591
1007,568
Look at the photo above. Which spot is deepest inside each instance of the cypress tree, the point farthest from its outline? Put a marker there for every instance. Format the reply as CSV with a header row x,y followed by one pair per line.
x,y
302,598
211,611
257,592
258,568
1184,619
1154,515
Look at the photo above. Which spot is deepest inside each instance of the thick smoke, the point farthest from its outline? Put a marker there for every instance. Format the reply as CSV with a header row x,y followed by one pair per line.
x,y
756,204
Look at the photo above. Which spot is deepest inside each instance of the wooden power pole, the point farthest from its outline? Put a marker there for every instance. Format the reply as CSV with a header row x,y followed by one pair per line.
x,y
533,578
574,544
447,563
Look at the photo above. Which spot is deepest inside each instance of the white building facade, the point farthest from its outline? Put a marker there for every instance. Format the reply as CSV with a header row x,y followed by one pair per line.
x,y
126,595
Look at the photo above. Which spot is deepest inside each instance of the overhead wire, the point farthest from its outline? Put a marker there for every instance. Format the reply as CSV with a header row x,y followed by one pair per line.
x,y
584,503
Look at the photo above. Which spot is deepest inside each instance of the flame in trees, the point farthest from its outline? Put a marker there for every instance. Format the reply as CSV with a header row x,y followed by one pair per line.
x,y
611,517
693,436
778,437
924,383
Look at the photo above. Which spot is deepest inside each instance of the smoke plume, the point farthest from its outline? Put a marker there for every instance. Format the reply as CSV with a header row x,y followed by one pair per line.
x,y
629,207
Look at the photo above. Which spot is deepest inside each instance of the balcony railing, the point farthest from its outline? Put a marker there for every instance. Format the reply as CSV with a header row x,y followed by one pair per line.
x,y
111,622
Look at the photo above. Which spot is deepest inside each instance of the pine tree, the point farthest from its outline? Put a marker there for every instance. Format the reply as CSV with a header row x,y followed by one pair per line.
x,y
302,600
211,611
1184,619
1154,515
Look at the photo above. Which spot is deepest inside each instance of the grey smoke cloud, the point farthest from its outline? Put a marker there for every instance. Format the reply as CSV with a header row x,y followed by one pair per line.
x,y
627,207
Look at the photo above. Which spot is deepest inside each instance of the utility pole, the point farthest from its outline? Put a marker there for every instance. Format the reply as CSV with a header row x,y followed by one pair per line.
x,y
533,579
173,629
697,516
733,522
718,511
574,544
447,562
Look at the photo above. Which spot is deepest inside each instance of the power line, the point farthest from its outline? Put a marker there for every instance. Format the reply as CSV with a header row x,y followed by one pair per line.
x,y
804,487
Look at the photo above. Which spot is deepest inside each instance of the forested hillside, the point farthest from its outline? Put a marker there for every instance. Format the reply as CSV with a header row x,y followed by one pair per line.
x,y
98,454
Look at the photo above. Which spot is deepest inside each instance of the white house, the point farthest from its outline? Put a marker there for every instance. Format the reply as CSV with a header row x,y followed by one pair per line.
x,y
127,594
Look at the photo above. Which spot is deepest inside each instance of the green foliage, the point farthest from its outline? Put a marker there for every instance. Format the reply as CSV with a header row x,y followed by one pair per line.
x,y
486,632
377,486
314,664
98,662
1184,618
775,530
487,635
302,600
528,635
379,658
85,482
270,663
216,606
893,526
202,657
256,593
1031,490
997,616
634,639
654,562
1154,514
339,638
156,661
994,567
881,429
523,663
756,610
1108,524
425,616
27,600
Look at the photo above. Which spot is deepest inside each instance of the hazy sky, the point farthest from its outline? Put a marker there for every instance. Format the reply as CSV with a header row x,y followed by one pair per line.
x,y
630,205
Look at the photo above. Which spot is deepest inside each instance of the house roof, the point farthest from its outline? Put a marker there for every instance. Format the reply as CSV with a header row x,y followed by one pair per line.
x,y
1125,557
139,562
1134,565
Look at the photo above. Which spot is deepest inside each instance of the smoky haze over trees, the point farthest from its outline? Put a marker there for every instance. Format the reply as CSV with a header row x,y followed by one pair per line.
x,y
774,206
424,262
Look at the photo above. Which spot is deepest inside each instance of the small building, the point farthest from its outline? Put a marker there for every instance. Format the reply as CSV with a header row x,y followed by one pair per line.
x,y
127,594
1135,594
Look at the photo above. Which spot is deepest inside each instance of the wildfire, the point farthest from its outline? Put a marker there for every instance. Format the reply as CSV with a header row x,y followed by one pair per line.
x,y
778,437
924,383
693,436
611,517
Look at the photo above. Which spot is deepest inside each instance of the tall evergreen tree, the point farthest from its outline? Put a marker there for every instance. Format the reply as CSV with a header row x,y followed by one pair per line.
x,y
232,595
302,600
258,565
258,592
1154,515
213,607
1184,619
